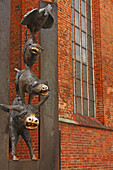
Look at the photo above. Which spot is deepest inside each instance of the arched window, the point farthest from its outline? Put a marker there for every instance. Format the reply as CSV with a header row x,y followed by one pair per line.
x,y
82,52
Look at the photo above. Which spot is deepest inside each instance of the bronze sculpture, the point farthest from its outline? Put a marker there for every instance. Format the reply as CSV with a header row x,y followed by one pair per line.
x,y
31,51
37,19
24,117
27,81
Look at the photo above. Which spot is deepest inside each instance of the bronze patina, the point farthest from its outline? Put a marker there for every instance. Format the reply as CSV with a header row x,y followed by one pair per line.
x,y
25,117
22,118
31,51
35,20
38,18
27,81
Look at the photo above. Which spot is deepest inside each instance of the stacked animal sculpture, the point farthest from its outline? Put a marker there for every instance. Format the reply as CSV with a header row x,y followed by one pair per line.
x,y
25,117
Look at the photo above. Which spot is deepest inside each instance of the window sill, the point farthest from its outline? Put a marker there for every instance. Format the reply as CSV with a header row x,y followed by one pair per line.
x,y
81,120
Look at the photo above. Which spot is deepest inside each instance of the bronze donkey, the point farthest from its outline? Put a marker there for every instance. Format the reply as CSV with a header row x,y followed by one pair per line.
x,y
22,119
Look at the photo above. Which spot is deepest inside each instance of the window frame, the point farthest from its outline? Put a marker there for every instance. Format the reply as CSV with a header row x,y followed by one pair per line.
x,y
83,60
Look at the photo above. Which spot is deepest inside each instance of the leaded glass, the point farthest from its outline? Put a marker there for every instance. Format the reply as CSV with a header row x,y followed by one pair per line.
x,y
77,35
88,12
85,102
78,70
83,12
90,59
83,24
84,40
77,5
78,87
85,89
84,72
84,56
77,21
79,109
91,92
89,43
78,56
92,108
90,75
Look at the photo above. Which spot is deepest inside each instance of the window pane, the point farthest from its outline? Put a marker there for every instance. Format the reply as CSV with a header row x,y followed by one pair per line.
x,y
85,102
84,73
84,56
77,22
88,12
78,87
91,92
85,90
92,108
83,24
83,40
79,109
77,35
89,43
90,59
78,56
78,70
72,33
90,75
77,5
89,28
82,7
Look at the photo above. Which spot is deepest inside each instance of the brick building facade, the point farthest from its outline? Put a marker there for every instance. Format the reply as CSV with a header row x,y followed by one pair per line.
x,y
86,132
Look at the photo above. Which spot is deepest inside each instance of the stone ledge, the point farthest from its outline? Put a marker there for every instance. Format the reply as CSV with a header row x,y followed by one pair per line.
x,y
69,121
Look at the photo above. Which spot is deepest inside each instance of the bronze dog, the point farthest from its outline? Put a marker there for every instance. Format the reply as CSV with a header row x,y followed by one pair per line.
x,y
27,81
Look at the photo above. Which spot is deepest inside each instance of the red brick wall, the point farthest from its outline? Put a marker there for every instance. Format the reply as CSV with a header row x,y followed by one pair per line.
x,y
97,60
85,148
15,43
65,81
106,26
81,147
103,52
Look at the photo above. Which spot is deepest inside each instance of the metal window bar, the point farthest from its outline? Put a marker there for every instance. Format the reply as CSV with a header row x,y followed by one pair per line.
x,y
73,58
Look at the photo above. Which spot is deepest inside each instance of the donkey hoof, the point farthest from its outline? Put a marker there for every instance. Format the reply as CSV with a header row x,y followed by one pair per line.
x,y
34,158
14,158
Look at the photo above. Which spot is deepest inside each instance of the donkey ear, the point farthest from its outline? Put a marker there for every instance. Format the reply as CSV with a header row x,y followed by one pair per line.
x,y
41,102
40,47
7,108
29,88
